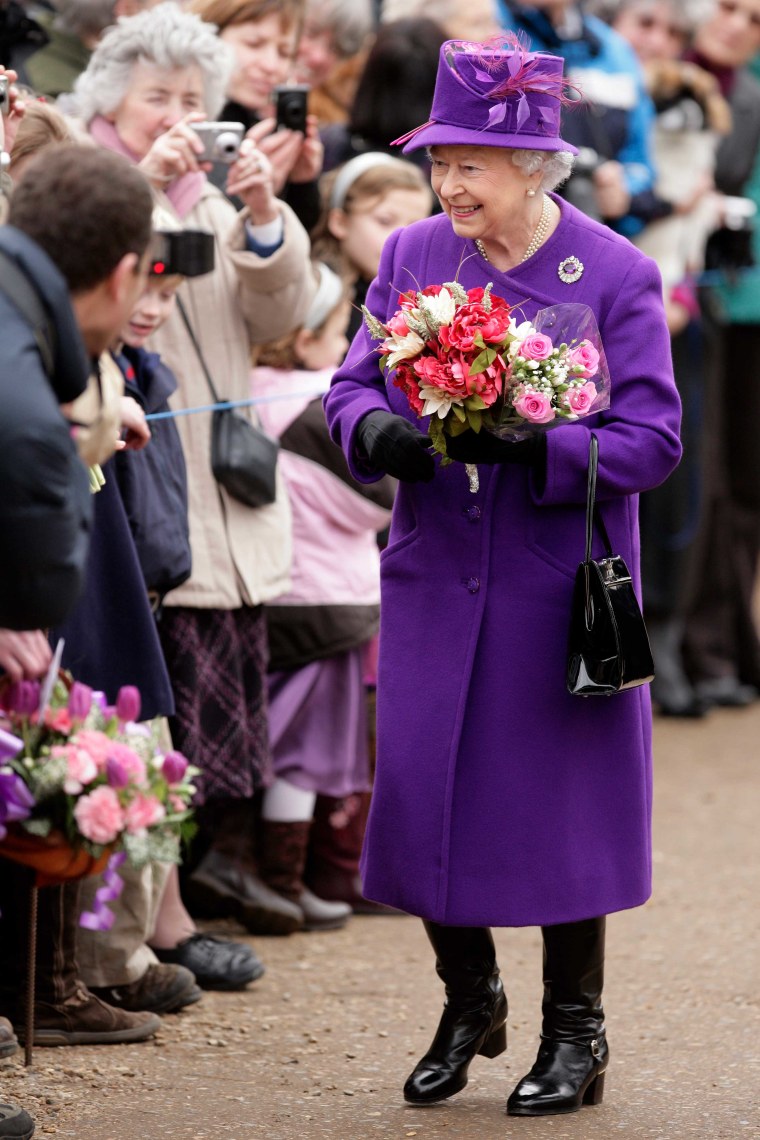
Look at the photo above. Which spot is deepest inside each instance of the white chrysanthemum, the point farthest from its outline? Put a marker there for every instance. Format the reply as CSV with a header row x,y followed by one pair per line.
x,y
402,348
439,310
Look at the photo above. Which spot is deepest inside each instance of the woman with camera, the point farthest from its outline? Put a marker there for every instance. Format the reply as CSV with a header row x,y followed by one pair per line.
x,y
263,36
150,78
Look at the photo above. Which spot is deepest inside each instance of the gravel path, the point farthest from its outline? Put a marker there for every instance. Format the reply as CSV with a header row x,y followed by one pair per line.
x,y
321,1045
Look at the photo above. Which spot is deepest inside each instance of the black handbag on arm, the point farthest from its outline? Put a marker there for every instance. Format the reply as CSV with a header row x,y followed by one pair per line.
x,y
608,646
243,457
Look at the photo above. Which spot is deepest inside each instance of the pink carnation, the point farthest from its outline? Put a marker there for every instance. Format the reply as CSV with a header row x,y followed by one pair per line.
x,y
96,744
143,812
534,407
536,347
579,400
585,356
397,326
81,769
99,815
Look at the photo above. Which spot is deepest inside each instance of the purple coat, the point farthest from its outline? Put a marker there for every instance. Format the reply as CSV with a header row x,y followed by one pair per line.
x,y
499,798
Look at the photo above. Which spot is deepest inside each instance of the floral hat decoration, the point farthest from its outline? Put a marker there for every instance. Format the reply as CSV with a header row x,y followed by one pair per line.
x,y
494,94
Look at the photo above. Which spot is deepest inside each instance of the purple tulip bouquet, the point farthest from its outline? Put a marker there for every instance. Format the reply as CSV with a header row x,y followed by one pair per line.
x,y
71,765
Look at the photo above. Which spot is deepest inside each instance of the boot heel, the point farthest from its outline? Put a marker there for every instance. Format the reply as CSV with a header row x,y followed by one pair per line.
x,y
595,1091
495,1043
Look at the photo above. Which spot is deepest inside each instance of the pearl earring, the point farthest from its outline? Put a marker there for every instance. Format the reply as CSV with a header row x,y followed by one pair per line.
x,y
530,192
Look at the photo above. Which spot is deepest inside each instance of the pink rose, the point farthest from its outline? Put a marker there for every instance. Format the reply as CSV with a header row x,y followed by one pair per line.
x,y
579,400
585,356
143,812
397,326
536,347
99,816
534,407
81,769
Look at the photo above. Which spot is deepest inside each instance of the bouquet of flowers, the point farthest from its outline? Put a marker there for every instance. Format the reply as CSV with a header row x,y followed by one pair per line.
x,y
461,357
73,767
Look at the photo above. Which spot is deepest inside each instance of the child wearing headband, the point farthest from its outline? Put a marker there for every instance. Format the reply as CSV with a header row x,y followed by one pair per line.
x,y
364,201
318,631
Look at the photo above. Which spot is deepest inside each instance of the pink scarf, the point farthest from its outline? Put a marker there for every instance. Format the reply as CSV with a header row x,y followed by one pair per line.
x,y
183,193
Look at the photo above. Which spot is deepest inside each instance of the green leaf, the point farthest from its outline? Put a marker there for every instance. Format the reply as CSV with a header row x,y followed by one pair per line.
x,y
459,412
482,361
475,403
473,418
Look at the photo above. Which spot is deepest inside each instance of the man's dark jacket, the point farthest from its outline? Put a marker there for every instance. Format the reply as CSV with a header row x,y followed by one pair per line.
x,y
45,507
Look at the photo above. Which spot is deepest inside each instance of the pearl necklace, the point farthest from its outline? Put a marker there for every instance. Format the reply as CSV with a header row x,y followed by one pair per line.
x,y
538,238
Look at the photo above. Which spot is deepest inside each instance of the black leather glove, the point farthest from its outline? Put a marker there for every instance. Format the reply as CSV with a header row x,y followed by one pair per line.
x,y
483,447
396,446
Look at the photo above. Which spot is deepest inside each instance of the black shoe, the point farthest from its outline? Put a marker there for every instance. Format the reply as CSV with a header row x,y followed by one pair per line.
x,y
15,1124
474,1020
573,1057
217,963
566,1076
219,888
161,989
726,692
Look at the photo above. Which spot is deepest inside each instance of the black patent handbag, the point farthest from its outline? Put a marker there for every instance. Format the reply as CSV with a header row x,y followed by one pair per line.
x,y
243,457
608,645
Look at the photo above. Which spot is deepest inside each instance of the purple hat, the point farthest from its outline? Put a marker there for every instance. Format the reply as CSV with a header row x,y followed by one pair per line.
x,y
487,95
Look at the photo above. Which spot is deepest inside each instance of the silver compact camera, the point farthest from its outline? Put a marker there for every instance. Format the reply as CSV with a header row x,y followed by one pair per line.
x,y
221,141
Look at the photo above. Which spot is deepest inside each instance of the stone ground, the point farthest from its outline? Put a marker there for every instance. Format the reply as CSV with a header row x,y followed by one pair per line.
x,y
321,1045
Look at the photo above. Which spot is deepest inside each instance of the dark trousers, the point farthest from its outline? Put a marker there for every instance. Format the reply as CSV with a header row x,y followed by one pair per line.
x,y
721,636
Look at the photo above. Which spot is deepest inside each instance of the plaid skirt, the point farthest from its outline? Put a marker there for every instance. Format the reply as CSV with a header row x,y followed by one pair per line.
x,y
217,661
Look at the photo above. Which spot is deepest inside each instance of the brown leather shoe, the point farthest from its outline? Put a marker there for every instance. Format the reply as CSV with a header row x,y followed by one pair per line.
x,y
8,1039
83,1019
161,989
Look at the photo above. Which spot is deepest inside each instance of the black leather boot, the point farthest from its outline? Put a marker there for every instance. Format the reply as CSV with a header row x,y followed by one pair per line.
x,y
474,1019
569,1070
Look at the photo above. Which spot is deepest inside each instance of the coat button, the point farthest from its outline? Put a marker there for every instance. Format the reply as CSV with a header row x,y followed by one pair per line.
x,y
472,513
473,585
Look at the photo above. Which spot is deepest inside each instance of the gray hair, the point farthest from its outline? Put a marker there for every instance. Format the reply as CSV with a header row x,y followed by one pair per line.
x,y
555,165
84,17
165,36
349,22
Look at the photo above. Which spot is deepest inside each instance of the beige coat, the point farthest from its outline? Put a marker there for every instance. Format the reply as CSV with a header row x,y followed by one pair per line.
x,y
241,555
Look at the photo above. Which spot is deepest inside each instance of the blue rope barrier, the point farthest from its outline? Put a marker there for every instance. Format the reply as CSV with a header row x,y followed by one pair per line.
x,y
253,400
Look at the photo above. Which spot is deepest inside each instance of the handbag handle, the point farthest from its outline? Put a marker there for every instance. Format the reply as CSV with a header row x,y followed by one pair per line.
x,y
592,511
198,351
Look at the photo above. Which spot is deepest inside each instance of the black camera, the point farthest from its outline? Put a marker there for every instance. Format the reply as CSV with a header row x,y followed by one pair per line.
x,y
5,102
189,253
291,104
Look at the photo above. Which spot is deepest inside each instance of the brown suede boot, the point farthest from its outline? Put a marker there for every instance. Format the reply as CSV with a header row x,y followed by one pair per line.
x,y
65,1012
282,861
335,845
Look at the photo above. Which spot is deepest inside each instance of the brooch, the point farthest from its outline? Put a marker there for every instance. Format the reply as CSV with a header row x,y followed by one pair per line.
x,y
570,270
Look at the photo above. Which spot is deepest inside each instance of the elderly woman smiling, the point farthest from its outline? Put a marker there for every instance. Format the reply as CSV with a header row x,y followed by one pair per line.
x,y
150,79
499,799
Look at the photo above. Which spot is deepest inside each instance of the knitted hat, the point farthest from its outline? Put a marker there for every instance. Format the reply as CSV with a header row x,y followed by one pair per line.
x,y
491,95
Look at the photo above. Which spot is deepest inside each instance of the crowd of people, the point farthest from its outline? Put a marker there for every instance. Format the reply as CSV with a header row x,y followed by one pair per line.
x,y
252,631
